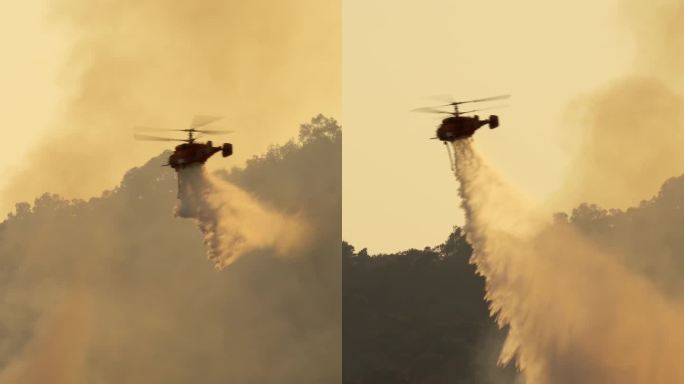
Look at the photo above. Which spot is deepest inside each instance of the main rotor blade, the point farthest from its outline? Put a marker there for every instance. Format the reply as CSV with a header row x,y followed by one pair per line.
x,y
202,120
154,138
213,131
429,110
484,109
479,100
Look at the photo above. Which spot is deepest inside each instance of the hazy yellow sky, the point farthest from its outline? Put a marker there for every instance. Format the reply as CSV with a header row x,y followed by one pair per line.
x,y
397,186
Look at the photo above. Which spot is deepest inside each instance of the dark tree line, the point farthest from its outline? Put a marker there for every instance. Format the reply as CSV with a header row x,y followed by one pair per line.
x,y
417,316
647,237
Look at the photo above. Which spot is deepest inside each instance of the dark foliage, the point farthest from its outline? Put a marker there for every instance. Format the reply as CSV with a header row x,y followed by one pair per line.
x,y
647,237
417,317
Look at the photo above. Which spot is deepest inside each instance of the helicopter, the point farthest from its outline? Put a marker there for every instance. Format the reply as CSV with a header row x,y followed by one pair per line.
x,y
191,152
459,127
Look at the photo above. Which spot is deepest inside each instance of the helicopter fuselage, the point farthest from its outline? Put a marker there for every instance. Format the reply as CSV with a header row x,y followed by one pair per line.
x,y
460,127
196,153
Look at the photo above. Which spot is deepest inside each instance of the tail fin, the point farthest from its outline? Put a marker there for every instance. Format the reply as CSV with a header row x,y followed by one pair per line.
x,y
493,121
227,149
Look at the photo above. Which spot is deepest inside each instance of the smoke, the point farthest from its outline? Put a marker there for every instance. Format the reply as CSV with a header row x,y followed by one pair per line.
x,y
158,63
575,314
633,135
233,222
631,130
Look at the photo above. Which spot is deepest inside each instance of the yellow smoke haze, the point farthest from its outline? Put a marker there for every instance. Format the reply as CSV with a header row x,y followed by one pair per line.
x,y
632,144
57,353
265,66
656,27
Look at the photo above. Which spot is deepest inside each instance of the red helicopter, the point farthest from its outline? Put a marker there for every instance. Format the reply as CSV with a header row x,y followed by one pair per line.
x,y
191,152
459,127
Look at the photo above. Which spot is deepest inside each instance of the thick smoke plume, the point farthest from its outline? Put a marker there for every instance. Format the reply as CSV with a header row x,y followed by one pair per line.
x,y
575,313
232,221
631,142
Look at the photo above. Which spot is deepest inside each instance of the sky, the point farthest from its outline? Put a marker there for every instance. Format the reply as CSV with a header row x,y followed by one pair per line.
x,y
398,189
